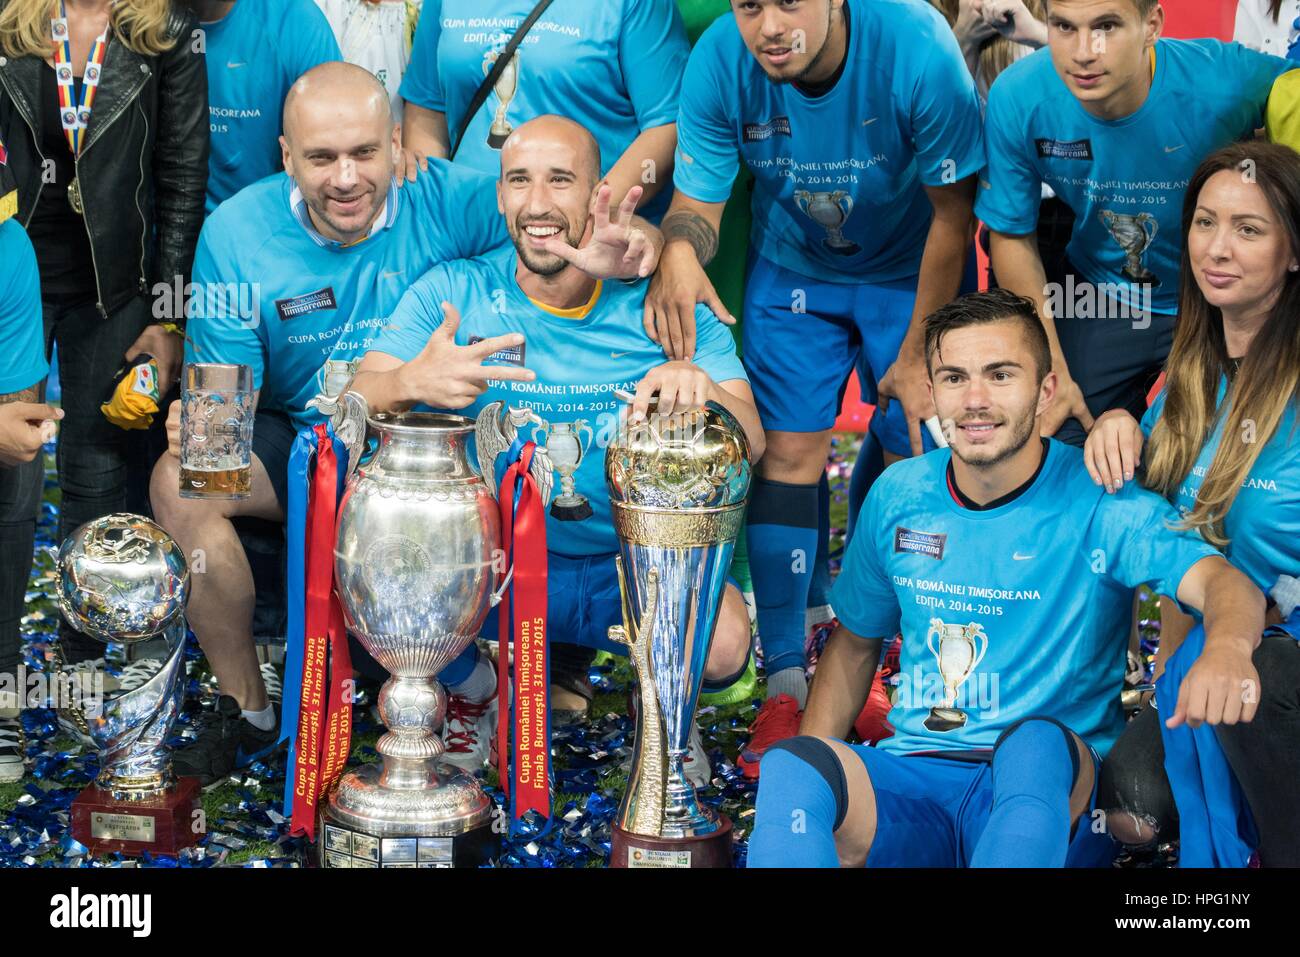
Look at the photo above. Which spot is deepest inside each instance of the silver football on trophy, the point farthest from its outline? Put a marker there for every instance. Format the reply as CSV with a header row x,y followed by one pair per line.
x,y
122,578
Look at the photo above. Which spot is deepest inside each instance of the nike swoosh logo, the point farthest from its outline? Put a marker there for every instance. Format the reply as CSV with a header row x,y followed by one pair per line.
x,y
1022,558
870,121
1170,149
619,355
234,66
392,275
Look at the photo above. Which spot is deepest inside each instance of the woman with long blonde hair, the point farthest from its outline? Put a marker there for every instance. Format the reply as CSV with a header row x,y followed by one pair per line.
x,y
1222,443
104,120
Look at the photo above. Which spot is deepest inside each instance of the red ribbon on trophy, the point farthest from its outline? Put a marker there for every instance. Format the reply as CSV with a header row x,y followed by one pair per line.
x,y
324,718
523,620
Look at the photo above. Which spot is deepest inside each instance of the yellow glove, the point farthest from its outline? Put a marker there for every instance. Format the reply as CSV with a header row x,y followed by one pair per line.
x,y
134,401
1282,115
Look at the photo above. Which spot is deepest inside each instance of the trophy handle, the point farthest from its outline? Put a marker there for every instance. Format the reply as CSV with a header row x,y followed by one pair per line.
x,y
844,202
642,811
539,436
936,628
579,427
801,199
1143,219
980,640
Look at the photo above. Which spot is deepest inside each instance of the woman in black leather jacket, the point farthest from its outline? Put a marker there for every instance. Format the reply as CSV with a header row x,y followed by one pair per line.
x,y
114,224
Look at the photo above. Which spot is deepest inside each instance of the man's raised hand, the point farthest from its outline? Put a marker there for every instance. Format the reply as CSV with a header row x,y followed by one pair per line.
x,y
449,376
617,248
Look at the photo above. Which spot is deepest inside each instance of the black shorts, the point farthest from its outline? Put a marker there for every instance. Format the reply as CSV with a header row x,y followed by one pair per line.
x,y
273,435
1114,361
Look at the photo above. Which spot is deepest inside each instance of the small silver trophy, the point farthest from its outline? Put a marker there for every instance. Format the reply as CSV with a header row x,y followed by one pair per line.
x,y
1130,231
566,447
958,649
829,211
505,87
123,579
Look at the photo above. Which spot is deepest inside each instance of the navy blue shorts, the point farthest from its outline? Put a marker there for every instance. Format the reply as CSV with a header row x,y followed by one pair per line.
x,y
273,435
802,338
930,812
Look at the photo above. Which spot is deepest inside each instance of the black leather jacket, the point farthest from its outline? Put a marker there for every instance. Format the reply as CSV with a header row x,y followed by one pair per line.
x,y
143,170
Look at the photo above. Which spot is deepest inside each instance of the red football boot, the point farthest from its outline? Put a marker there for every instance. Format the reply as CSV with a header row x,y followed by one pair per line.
x,y
871,725
777,720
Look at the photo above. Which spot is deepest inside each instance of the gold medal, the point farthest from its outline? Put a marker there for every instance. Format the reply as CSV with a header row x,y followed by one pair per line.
x,y
74,197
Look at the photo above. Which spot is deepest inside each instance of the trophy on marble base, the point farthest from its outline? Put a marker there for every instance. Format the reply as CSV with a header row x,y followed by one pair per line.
x,y
413,567
678,486
123,579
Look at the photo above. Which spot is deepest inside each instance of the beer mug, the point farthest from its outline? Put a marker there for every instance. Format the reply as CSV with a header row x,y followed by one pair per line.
x,y
216,431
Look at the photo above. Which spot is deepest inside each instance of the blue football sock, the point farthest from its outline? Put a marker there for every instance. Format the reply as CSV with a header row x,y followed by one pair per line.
x,y
866,469
1033,773
794,822
782,528
819,591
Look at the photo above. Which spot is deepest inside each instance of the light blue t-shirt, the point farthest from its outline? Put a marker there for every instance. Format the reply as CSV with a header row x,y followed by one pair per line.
x,y
1263,524
1124,179
302,311
255,53
838,178
22,335
614,66
578,362
1040,587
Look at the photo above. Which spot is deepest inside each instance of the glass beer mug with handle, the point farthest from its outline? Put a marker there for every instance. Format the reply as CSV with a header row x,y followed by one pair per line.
x,y
216,431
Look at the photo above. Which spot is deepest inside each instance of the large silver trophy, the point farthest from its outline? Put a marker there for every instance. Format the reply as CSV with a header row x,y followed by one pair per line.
x,y
413,567
678,486
123,579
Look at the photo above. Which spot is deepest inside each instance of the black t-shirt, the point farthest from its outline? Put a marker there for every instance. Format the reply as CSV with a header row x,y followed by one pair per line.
x,y
58,234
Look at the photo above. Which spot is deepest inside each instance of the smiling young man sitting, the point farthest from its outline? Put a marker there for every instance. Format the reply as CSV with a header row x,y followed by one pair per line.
x,y
1011,577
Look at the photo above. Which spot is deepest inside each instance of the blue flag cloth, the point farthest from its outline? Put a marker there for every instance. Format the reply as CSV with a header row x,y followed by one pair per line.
x,y
1214,820
302,460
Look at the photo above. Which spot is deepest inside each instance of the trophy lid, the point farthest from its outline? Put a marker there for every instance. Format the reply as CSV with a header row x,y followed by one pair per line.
x,y
694,459
122,578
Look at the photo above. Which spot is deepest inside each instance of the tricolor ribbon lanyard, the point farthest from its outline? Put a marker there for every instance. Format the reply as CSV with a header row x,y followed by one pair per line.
x,y
74,112
324,716
525,780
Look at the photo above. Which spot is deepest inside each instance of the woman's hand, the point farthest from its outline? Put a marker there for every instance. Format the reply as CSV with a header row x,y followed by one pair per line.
x,y
1113,450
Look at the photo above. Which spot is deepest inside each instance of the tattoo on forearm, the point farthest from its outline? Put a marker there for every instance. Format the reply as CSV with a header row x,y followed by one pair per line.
x,y
26,395
694,229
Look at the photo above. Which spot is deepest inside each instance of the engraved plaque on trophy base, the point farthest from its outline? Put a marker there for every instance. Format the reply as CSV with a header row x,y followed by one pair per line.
x,y
343,845
159,825
703,850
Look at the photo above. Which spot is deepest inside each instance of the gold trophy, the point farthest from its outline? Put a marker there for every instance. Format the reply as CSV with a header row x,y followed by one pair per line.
x,y
677,486
505,88
958,649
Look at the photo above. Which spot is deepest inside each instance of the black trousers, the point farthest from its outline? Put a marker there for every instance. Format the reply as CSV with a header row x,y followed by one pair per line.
x,y
20,502
102,468
1264,756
